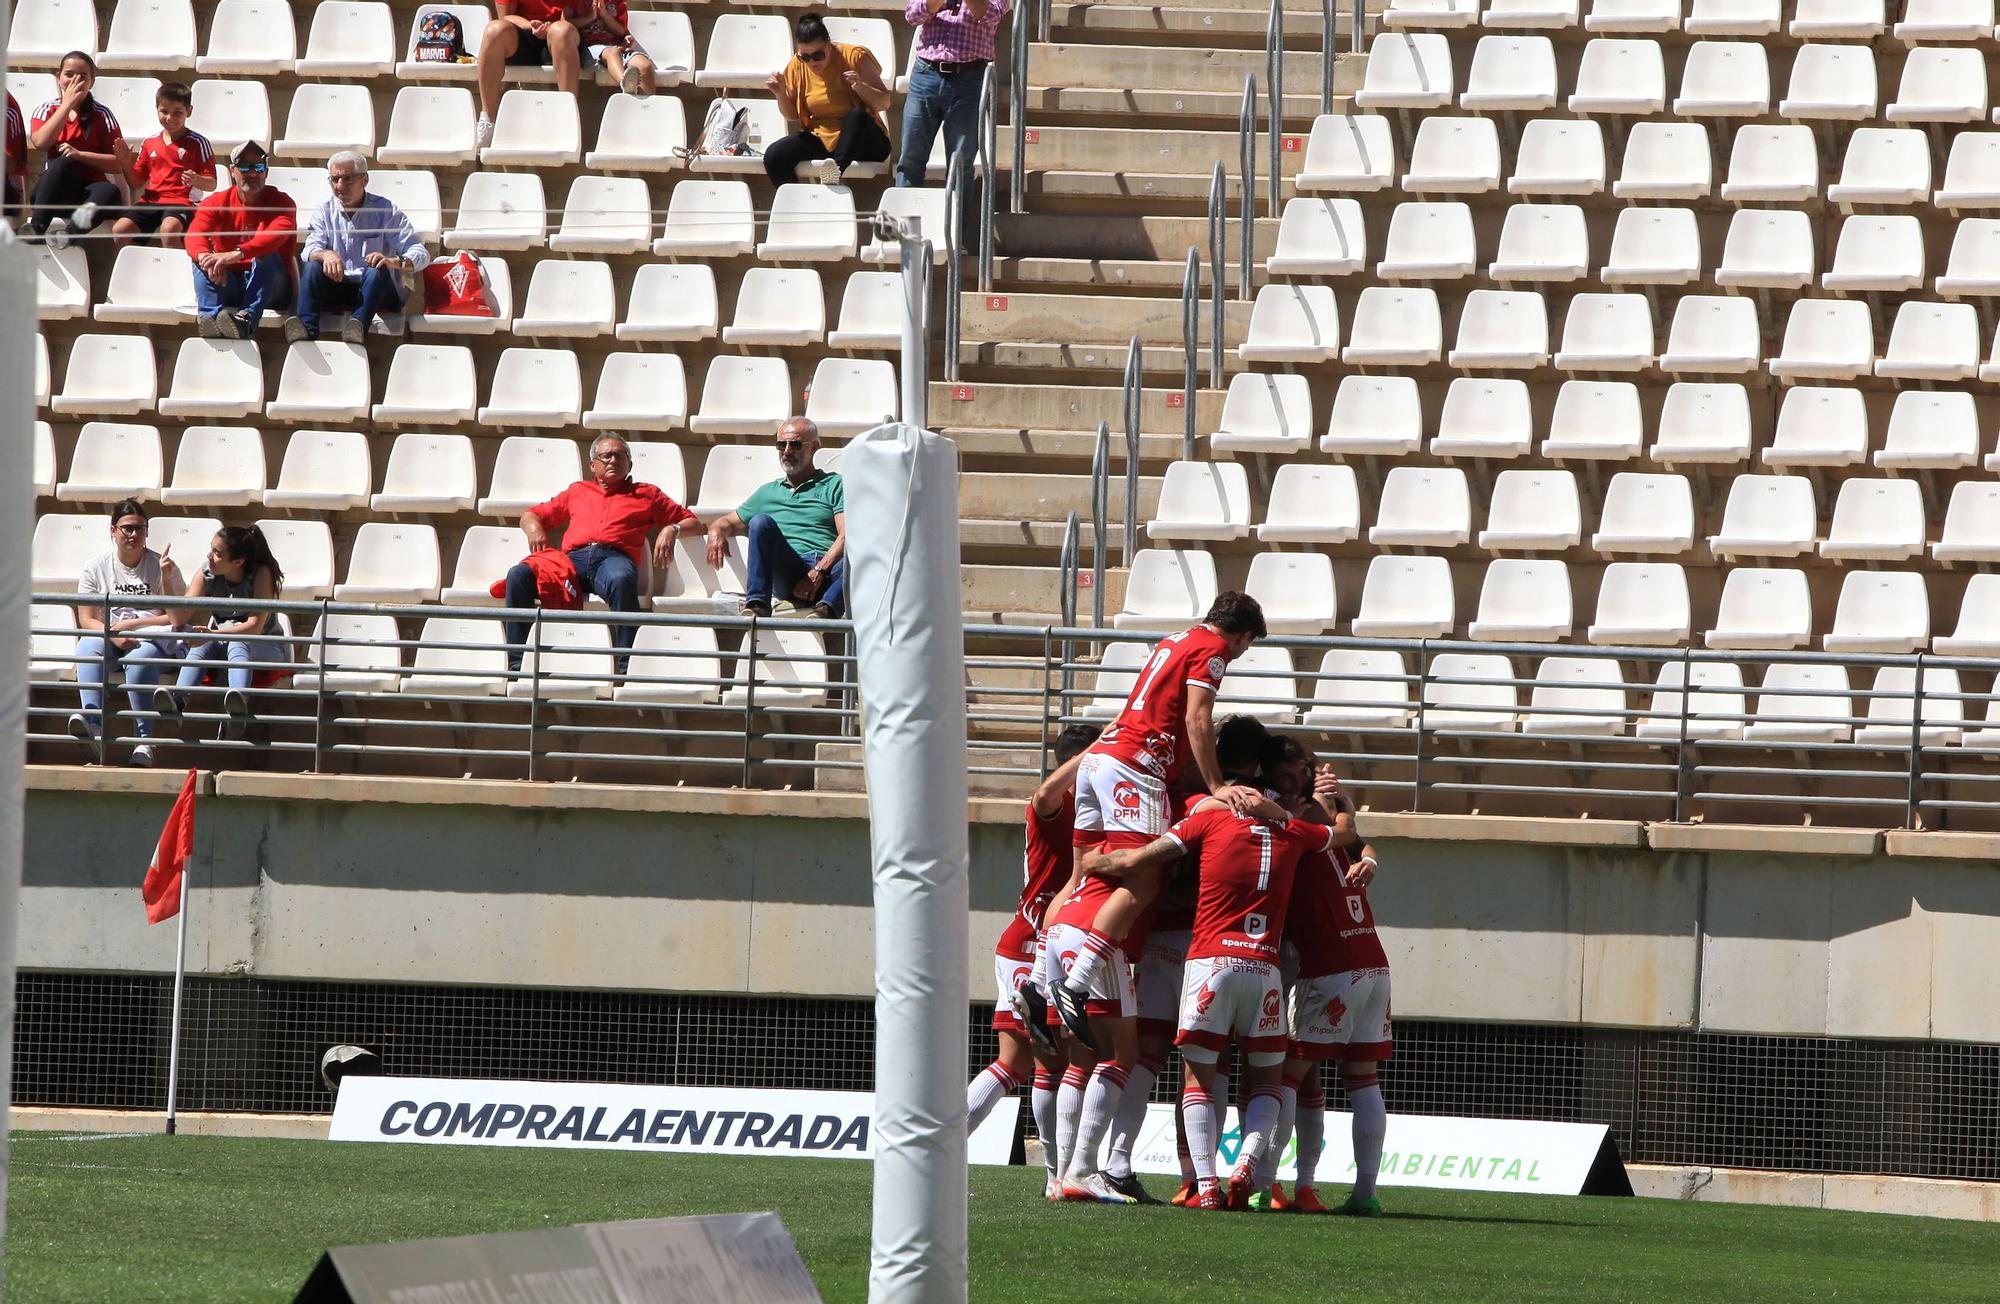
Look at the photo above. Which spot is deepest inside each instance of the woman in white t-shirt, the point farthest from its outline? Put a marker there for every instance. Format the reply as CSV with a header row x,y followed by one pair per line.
x,y
139,635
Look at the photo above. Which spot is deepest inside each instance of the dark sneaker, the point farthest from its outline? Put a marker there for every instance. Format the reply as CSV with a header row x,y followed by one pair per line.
x,y
1075,1018
1032,1009
1129,1185
295,330
630,82
79,729
213,326
237,707
240,326
166,706
758,609
354,331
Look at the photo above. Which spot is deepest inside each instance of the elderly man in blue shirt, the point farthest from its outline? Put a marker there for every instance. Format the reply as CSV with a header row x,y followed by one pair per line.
x,y
357,247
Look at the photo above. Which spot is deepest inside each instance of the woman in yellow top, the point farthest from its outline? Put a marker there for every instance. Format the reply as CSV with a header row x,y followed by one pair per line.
x,y
834,92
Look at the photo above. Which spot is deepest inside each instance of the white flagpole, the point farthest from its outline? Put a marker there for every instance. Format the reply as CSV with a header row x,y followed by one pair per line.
x,y
180,989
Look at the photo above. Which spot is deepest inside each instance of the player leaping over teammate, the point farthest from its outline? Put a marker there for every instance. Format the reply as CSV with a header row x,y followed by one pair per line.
x,y
1230,983
1121,790
1045,867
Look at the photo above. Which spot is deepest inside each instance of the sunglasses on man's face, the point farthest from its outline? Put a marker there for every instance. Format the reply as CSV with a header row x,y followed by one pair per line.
x,y
253,169
813,56
784,444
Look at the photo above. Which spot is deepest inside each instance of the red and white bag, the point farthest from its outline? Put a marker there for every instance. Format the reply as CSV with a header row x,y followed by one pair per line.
x,y
457,287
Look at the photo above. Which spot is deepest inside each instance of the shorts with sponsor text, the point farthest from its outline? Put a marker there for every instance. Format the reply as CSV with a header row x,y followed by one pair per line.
x,y
1110,988
1009,973
1157,980
1128,806
1224,998
1342,1016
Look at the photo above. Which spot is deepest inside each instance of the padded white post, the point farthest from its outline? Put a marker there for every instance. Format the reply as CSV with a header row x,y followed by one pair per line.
x,y
17,414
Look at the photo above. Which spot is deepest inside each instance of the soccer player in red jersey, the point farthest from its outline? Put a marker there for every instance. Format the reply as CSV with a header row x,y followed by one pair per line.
x,y
1046,865
1122,789
1230,987
1340,1003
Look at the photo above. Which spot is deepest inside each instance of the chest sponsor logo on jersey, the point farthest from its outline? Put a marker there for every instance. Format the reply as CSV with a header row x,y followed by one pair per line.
x,y
1354,908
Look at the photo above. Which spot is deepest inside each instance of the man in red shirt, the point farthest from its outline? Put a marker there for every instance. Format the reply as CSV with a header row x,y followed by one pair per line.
x,y
14,175
243,240
166,173
604,522
83,149
531,34
1045,867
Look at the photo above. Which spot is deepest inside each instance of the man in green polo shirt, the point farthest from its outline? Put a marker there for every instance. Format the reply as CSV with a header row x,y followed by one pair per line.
x,y
798,532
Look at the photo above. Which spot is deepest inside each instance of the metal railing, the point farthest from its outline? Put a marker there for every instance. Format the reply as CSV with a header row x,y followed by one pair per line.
x,y
1414,724
954,272
1017,98
1246,149
989,149
1218,222
1133,394
1190,346
1274,85
1100,518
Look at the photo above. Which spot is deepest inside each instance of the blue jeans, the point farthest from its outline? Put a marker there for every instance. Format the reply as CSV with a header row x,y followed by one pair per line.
x,y
139,680
237,651
935,101
775,566
378,290
267,284
601,569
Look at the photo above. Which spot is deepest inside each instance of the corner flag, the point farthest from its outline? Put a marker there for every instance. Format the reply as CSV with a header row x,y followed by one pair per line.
x,y
162,888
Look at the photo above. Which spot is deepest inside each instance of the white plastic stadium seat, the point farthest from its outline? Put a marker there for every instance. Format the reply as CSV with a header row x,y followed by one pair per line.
x,y
1941,84
485,554
1884,165
428,384
1607,332
731,473
108,375
1971,172
323,471
1877,253
528,470
1840,19
682,669
472,21
1876,520
707,218
1633,16
535,129
1801,704
1971,523
150,34
1405,597
1819,425
1831,83
668,36
744,396
349,40
1292,323
1972,269
1259,684
1641,604
1665,160
1620,76
1484,417
1891,716
570,300
325,119
1932,341
534,387
671,301
1312,504
1559,156
62,283
1317,237
1935,430
1166,589
810,223
1576,696
1945,20
1532,511
44,30
1767,250
499,210
62,547
1502,330
215,378
778,307
744,50
230,112
1349,153
1394,326
1977,634
1439,14
639,392
1767,516
1595,420
217,466
1512,14
640,135
1826,339
353,653
1523,601
51,642
871,313
791,671
1712,333
1653,246
391,562
323,380
1713,709
430,126
1422,507
428,473
847,396
1406,70
1454,156
1725,79
1703,423
1646,514
250,37
1768,610
1772,163
1265,413
1360,688
415,191
458,657
1295,589
1470,691
148,287
1374,415
110,461
1509,74
1542,243
566,661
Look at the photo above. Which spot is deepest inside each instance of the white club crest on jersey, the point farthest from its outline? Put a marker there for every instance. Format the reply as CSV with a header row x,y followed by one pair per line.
x,y
1354,908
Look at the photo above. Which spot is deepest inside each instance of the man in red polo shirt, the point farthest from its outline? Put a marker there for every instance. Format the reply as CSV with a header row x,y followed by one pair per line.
x,y
604,521
244,241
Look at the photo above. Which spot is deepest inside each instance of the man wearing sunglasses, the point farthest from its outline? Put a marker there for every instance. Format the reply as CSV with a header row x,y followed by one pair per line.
x,y
243,239
798,532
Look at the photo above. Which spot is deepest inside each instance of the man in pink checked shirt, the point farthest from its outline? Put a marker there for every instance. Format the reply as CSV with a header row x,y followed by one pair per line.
x,y
954,47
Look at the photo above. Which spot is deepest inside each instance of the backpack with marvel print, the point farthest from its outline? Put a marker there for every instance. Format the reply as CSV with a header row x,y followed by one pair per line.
x,y
441,38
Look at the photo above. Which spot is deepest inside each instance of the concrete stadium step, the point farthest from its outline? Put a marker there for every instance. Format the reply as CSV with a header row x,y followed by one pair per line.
x,y
980,445
1235,24
1120,149
1084,192
1015,407
1089,331
1028,595
1181,69
993,496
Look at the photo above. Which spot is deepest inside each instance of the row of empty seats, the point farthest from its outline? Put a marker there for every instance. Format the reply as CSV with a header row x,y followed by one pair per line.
x,y
333,471
1796,704
1697,422
356,39
1761,249
664,301
329,381
1921,21
1626,76
1543,511
1530,600
1559,157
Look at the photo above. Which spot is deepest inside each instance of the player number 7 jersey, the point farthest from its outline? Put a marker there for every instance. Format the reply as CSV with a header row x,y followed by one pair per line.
x,y
1147,733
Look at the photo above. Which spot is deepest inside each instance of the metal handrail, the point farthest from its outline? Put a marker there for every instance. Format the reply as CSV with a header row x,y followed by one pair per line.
x,y
1134,394
1218,221
1274,76
1190,345
1100,518
1327,46
1017,96
1066,564
1246,148
989,148
1353,37
954,274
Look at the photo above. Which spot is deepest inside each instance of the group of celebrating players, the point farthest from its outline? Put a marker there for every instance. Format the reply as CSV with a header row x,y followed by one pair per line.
x,y
1180,876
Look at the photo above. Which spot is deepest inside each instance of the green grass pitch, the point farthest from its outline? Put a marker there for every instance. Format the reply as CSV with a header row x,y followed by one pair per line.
x,y
205,1218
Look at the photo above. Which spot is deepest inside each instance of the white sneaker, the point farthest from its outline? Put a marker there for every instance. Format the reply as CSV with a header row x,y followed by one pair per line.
x,y
1096,1187
56,233
85,216
142,757
482,132
630,82
825,171
1052,1188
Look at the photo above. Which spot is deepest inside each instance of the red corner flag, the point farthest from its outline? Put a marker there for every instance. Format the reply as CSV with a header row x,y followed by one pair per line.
x,y
162,888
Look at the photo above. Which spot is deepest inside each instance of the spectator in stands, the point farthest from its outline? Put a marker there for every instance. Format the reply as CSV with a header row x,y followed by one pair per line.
x,y
169,168
531,34
358,248
954,46
243,239
605,33
798,532
84,151
138,631
14,174
239,566
604,522
834,93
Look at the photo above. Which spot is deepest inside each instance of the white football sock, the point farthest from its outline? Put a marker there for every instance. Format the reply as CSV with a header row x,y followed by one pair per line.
x,y
1218,1100
1069,1113
1199,1112
1043,1101
1039,975
1311,1129
1371,1124
1129,1118
993,1085
1100,1102
1260,1118
1288,1101
1094,954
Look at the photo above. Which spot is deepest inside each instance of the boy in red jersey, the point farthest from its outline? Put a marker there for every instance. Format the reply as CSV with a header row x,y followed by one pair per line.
x,y
1230,983
166,172
1122,789
1046,865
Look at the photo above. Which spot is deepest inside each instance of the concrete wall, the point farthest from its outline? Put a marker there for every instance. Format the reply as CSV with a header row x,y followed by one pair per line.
x,y
1794,932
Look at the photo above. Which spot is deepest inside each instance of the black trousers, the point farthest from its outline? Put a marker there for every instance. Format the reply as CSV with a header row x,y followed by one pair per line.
x,y
862,140
62,186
